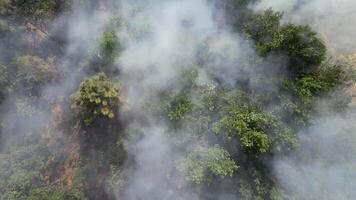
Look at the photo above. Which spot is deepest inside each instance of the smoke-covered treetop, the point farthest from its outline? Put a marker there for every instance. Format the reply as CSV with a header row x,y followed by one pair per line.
x,y
174,99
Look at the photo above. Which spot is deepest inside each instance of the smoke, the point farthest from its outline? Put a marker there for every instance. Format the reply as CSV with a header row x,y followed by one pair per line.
x,y
332,19
323,166
163,39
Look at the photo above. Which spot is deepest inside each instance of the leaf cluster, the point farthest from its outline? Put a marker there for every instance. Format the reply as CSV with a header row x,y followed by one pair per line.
x,y
97,97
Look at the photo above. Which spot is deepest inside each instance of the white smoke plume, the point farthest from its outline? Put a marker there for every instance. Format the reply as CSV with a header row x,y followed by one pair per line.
x,y
163,37
333,19
167,39
323,166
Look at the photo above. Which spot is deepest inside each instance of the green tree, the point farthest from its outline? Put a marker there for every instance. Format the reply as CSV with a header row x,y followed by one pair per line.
x,y
204,162
53,193
34,72
309,76
20,171
258,132
98,97
40,10
4,6
305,50
109,46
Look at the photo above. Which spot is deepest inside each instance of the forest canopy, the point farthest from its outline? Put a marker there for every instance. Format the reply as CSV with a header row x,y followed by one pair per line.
x,y
172,99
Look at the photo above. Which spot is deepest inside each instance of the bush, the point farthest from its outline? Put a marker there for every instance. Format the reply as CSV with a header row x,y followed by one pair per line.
x,y
303,45
301,94
109,46
257,131
33,71
205,161
4,6
304,48
3,81
39,9
20,170
52,193
178,107
97,97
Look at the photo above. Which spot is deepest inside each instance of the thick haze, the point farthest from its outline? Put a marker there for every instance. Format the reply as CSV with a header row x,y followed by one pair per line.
x,y
332,19
168,37
162,38
325,160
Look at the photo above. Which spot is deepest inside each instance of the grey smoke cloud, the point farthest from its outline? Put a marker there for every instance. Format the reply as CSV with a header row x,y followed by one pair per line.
x,y
30,115
161,39
323,166
333,19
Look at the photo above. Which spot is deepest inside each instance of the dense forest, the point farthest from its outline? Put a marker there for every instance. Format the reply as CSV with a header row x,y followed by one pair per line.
x,y
177,99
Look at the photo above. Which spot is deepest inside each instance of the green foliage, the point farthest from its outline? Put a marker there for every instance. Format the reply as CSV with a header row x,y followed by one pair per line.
x,y
33,71
178,107
109,46
262,28
260,186
97,97
3,77
255,129
53,193
24,108
305,91
309,77
255,142
205,161
215,125
41,10
28,172
304,48
187,79
3,81
20,171
5,28
4,6
303,45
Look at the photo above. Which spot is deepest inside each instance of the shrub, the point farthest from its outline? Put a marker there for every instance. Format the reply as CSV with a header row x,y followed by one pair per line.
x,y
109,46
38,9
178,107
33,71
205,161
257,131
304,48
97,97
